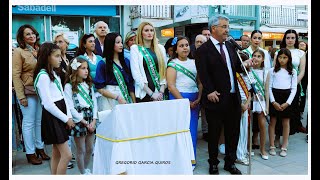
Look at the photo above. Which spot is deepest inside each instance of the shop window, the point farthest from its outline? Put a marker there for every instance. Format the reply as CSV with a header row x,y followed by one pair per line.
x,y
73,26
113,23
36,21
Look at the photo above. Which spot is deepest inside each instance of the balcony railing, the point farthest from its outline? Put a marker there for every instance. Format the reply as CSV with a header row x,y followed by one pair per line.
x,y
151,12
281,16
240,10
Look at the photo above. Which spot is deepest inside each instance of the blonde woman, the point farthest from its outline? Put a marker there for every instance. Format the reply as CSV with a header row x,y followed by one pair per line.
x,y
148,65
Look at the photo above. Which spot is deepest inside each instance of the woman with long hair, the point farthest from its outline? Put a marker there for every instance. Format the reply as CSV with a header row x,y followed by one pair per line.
x,y
290,41
148,65
113,77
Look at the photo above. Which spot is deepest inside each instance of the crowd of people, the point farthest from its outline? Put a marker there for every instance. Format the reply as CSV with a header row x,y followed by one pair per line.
x,y
60,96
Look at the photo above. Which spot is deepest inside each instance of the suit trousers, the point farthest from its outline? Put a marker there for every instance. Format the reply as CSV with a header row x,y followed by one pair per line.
x,y
229,117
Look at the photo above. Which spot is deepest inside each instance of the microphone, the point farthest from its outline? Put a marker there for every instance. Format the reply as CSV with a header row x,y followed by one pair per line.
x,y
230,39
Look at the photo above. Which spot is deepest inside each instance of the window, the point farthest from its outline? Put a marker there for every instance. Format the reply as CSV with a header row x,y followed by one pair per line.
x,y
73,26
36,21
113,23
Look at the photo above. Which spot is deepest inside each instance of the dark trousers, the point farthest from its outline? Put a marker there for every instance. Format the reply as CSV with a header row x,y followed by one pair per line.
x,y
228,117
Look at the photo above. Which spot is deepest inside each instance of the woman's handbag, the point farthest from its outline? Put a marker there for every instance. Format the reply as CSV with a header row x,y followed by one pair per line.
x,y
29,90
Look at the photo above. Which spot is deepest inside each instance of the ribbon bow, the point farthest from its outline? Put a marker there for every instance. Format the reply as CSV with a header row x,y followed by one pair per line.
x,y
75,64
174,41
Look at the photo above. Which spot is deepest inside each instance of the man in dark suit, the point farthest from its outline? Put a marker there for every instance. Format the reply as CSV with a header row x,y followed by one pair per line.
x,y
217,63
101,29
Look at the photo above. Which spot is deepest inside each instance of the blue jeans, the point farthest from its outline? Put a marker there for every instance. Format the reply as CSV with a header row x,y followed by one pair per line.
x,y
31,124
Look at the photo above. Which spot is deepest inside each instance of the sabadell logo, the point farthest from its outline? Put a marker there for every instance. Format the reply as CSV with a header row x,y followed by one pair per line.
x,y
37,8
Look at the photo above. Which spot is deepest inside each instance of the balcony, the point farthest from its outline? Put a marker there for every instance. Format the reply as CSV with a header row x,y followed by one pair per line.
x,y
151,12
284,16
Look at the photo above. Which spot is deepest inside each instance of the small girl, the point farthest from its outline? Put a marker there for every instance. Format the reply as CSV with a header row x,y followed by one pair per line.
x,y
260,77
56,116
83,106
183,82
282,89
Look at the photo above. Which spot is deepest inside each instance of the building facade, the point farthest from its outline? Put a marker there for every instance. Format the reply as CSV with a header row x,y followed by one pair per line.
x,y
188,20
75,21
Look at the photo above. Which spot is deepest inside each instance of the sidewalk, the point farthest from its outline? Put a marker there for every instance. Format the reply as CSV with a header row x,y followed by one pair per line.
x,y
296,162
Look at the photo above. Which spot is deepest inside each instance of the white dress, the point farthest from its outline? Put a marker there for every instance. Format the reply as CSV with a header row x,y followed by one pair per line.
x,y
262,74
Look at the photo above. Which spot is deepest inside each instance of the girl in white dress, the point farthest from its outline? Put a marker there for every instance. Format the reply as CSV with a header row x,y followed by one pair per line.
x,y
259,75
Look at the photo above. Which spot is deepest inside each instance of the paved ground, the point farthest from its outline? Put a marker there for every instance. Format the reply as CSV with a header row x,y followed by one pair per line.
x,y
296,162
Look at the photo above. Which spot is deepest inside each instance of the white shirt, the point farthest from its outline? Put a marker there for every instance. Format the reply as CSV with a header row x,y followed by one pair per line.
x,y
137,70
94,58
261,73
77,117
296,57
183,82
216,43
283,80
49,93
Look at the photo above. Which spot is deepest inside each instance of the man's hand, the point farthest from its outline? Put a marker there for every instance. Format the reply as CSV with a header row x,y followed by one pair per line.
x,y
213,97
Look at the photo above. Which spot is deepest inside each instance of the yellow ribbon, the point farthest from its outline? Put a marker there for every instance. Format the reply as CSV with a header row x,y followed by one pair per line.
x,y
142,137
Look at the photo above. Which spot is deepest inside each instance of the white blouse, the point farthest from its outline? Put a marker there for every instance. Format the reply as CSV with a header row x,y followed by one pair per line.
x,y
283,80
137,70
49,93
77,117
94,58
296,57
183,82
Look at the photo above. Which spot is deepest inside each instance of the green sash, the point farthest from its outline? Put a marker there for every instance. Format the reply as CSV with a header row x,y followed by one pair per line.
x,y
301,90
151,66
182,69
122,84
259,84
42,71
85,96
246,50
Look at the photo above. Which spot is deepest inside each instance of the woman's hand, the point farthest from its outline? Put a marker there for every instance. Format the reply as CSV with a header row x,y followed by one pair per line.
x,y
121,100
194,104
24,102
92,126
277,106
156,96
284,106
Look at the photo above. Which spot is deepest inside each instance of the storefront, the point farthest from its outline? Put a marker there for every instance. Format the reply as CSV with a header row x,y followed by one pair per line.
x,y
72,20
269,39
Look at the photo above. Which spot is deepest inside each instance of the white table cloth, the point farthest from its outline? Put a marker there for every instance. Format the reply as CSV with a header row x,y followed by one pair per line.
x,y
165,153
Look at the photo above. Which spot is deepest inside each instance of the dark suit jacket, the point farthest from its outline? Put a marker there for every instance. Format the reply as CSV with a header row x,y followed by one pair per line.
x,y
98,50
214,74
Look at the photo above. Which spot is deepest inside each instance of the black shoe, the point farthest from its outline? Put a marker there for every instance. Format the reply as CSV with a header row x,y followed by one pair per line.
x,y
205,137
232,169
213,169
